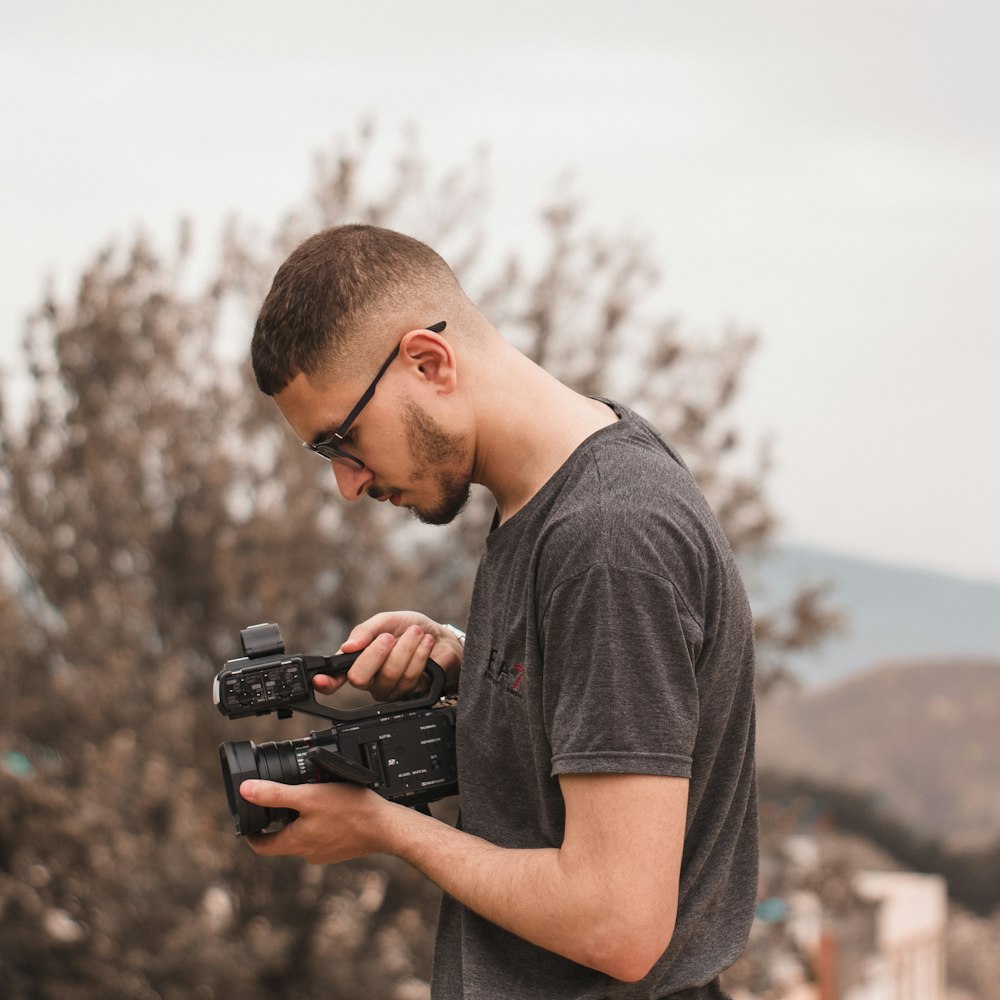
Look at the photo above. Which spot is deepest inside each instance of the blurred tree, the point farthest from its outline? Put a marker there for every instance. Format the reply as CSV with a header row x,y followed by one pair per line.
x,y
153,504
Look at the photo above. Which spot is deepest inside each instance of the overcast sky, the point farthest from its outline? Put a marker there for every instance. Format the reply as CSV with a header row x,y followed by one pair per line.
x,y
827,174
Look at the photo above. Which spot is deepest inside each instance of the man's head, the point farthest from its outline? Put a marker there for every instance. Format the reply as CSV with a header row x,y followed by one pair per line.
x,y
339,299
353,327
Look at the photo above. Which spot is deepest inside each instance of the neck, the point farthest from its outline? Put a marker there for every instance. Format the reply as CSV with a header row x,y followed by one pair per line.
x,y
522,441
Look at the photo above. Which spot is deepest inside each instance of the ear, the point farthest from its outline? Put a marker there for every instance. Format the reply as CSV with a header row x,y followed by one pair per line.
x,y
431,358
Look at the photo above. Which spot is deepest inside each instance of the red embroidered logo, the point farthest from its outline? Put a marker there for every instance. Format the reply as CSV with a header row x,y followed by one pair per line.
x,y
509,677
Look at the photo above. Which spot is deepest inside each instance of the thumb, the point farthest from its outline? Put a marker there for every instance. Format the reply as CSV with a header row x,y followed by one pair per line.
x,y
360,637
268,793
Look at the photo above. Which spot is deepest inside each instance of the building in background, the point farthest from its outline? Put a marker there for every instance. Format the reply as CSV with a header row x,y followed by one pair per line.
x,y
828,932
911,914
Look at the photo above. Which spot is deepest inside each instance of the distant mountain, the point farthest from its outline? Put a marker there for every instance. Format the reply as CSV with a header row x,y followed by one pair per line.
x,y
922,736
892,612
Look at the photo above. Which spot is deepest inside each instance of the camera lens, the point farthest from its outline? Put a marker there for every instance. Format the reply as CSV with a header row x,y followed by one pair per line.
x,y
285,762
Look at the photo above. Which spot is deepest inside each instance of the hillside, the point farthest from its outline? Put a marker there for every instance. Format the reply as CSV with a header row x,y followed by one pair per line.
x,y
892,611
922,735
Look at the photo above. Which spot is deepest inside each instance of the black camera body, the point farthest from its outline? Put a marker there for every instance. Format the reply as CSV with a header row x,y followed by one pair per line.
x,y
403,750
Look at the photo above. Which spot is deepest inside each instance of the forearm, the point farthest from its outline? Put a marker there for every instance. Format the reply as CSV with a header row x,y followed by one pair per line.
x,y
606,897
531,893
611,911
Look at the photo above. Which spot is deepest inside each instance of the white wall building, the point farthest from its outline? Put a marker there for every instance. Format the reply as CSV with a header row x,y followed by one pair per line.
x,y
910,918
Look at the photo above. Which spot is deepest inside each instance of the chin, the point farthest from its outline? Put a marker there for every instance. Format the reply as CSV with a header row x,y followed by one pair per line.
x,y
452,504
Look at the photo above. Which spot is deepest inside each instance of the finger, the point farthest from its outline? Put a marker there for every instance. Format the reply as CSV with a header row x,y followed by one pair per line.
x,y
269,845
361,636
371,661
325,684
392,677
273,795
414,670
364,633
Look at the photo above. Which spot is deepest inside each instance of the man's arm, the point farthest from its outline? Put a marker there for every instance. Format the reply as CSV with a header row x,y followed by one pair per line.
x,y
606,897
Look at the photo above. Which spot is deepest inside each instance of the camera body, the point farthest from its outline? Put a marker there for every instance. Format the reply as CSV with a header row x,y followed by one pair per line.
x,y
403,750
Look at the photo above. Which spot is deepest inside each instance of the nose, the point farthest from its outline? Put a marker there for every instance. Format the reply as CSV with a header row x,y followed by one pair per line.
x,y
351,481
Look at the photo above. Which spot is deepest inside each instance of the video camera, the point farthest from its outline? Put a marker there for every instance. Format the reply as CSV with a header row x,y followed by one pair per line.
x,y
403,750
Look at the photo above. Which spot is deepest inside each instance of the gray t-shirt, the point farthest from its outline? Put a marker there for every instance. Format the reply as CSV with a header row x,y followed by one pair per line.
x,y
609,632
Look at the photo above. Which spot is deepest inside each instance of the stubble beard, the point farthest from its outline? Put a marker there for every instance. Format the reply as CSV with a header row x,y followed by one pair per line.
x,y
438,457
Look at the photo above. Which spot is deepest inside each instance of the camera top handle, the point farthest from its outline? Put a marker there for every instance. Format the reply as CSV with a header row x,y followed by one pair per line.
x,y
269,680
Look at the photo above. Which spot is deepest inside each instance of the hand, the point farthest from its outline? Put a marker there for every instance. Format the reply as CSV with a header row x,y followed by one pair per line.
x,y
397,645
336,821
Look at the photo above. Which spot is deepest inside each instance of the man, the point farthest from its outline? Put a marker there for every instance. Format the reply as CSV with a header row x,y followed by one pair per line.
x,y
608,841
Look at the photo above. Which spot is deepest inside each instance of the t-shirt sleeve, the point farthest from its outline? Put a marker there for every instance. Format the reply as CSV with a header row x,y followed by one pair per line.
x,y
620,693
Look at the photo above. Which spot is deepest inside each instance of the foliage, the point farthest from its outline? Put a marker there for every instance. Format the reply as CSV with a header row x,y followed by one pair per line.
x,y
153,505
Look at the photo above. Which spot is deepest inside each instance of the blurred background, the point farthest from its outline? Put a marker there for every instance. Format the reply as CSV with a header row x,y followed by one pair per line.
x,y
774,228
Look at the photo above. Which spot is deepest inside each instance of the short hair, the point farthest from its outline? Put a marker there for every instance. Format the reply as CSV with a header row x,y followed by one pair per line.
x,y
333,285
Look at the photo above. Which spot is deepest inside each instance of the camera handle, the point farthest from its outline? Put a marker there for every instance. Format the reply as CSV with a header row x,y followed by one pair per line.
x,y
267,679
340,664
283,684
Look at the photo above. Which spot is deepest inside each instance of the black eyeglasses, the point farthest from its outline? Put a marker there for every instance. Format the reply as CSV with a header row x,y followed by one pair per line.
x,y
330,449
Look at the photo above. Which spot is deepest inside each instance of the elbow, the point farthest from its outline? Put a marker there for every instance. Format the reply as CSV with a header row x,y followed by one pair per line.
x,y
629,947
633,962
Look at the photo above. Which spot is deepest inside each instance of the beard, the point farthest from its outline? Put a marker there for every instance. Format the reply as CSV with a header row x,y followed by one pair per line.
x,y
439,458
